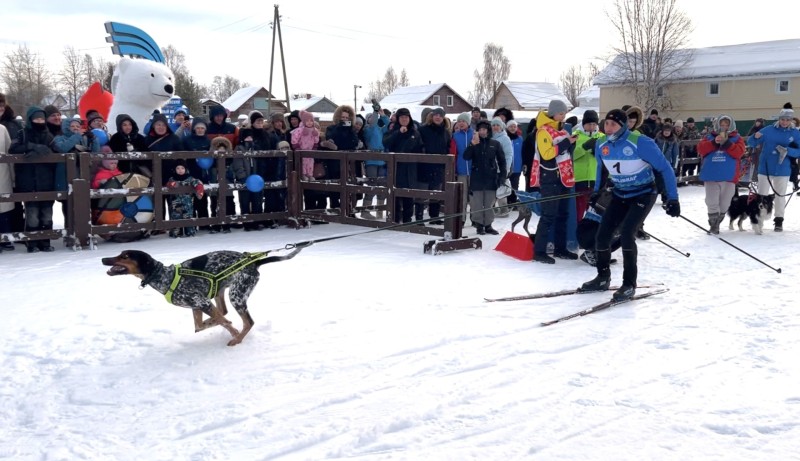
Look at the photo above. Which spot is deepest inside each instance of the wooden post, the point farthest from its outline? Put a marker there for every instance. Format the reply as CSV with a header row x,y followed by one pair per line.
x,y
81,211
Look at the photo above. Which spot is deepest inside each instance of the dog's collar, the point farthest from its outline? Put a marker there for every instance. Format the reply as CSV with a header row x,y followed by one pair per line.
x,y
152,276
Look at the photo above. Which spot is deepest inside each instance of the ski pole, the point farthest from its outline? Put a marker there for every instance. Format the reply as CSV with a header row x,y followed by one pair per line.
x,y
667,244
707,231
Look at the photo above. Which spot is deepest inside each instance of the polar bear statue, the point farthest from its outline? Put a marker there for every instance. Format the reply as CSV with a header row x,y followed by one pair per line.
x,y
140,86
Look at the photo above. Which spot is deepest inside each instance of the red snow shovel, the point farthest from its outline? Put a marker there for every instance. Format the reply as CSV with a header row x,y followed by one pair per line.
x,y
517,246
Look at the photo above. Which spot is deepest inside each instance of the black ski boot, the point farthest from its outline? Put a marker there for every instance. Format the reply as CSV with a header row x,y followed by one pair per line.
x,y
599,283
778,224
624,293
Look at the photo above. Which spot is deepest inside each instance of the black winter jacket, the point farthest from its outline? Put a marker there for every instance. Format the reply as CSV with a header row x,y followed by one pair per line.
x,y
488,165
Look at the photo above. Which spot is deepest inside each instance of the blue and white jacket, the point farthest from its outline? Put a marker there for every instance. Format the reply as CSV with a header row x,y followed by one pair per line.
x,y
462,140
630,159
772,137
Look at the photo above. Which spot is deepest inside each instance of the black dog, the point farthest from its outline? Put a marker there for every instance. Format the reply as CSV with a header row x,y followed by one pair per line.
x,y
757,207
195,282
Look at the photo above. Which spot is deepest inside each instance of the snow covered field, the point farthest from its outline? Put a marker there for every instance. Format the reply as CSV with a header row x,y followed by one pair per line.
x,y
366,349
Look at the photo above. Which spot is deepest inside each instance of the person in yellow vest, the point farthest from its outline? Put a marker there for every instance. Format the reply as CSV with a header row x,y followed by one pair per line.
x,y
552,172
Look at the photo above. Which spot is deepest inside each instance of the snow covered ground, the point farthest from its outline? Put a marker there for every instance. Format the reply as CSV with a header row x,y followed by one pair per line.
x,y
364,348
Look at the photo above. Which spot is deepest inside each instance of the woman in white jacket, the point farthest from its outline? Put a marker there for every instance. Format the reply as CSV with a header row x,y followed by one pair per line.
x,y
6,187
500,135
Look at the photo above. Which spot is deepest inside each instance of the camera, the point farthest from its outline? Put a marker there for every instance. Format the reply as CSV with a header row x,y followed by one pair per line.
x,y
347,123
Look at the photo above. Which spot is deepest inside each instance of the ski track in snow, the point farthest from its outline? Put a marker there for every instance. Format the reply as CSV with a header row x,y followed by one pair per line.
x,y
406,361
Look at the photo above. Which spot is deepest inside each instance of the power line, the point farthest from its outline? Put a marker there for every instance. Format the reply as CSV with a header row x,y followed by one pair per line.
x,y
232,23
321,33
345,28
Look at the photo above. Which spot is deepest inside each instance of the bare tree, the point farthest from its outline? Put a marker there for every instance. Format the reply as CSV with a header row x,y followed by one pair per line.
x,y
653,35
572,83
223,87
381,88
72,77
403,80
26,79
496,68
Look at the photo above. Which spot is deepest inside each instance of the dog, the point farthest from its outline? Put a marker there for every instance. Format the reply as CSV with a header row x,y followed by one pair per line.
x,y
757,207
524,210
196,282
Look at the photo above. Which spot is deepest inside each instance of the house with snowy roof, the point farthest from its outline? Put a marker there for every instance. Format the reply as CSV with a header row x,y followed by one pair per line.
x,y
526,95
311,103
744,81
436,94
250,98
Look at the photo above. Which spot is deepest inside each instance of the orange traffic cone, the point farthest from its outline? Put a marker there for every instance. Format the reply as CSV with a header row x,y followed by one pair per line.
x,y
517,246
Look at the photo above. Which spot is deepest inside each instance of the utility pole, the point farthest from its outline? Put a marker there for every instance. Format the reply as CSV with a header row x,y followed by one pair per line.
x,y
355,98
276,29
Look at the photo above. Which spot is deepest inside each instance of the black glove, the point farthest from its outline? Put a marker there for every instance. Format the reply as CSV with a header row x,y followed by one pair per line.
x,y
590,144
793,145
673,208
594,198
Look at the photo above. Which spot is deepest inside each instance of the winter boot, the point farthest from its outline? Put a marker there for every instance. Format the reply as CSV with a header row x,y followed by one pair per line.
x,y
565,254
713,221
599,283
544,258
624,293
642,235
490,230
481,229
778,224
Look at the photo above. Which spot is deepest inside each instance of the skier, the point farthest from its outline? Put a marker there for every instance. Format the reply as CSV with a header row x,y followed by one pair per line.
x,y
629,159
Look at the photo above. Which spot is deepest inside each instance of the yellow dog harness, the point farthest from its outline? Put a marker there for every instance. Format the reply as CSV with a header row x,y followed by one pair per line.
x,y
213,279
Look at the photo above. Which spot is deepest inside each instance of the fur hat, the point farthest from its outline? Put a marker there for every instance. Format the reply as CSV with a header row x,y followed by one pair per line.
x,y
276,117
787,111
618,116
402,111
306,116
590,116
50,110
464,117
556,106
505,113
634,112
221,143
484,124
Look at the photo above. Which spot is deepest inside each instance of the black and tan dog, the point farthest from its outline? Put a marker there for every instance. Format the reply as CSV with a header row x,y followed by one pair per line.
x,y
196,282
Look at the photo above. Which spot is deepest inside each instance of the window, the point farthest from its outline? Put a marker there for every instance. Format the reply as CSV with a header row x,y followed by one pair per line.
x,y
660,91
437,101
782,85
450,101
712,89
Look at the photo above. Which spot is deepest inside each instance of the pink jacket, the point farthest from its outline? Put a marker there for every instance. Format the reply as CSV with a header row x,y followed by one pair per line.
x,y
304,138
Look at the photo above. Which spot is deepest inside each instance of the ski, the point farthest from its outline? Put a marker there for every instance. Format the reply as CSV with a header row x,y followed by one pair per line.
x,y
555,294
605,305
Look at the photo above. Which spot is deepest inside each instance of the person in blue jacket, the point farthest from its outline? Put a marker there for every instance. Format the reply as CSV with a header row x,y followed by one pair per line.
x,y
777,141
373,137
630,160
462,137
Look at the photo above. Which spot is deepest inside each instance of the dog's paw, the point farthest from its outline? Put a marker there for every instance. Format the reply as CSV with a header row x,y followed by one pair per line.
x,y
234,341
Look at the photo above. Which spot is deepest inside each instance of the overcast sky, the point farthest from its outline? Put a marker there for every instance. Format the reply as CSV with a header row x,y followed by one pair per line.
x,y
331,46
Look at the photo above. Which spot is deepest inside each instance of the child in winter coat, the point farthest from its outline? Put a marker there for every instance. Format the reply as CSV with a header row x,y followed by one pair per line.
x,y
180,205
306,137
108,169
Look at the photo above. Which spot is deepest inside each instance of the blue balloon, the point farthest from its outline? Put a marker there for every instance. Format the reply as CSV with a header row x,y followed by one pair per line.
x,y
205,162
101,136
254,183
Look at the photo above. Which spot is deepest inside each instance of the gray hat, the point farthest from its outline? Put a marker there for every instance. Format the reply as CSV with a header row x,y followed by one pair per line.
x,y
464,117
438,111
498,121
556,106
787,111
